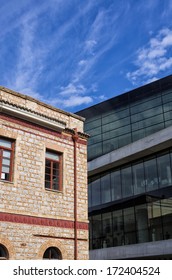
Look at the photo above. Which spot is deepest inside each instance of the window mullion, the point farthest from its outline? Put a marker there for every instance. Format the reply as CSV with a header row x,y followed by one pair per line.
x,y
51,170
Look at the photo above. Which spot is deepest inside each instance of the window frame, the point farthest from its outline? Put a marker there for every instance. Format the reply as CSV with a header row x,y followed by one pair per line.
x,y
52,161
3,148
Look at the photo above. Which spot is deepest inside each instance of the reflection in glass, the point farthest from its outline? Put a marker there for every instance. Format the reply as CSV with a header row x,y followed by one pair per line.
x,y
118,228
129,226
151,176
107,230
164,170
154,221
127,187
141,223
116,185
138,178
166,208
105,188
95,186
97,232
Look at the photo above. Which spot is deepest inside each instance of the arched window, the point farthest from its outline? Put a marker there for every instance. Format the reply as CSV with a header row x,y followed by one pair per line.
x,y
3,253
52,253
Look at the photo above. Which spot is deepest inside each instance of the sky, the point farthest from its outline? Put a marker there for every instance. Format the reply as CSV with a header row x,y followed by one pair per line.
x,y
73,54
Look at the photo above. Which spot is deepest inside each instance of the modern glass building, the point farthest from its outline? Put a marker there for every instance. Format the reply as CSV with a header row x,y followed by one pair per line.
x,y
130,174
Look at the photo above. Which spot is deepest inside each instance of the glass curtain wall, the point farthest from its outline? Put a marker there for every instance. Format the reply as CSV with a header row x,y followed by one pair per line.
x,y
146,175
132,116
146,222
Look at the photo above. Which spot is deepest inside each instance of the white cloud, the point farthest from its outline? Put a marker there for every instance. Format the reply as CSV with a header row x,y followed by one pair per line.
x,y
154,58
77,101
72,89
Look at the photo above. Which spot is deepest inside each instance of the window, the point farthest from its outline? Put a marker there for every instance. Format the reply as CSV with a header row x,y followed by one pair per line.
x,y
3,253
52,253
53,171
6,159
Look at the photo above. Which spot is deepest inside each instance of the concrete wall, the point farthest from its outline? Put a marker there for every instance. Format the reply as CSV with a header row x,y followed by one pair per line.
x,y
143,250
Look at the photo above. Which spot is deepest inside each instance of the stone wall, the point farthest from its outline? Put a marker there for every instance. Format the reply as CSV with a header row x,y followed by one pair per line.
x,y
29,207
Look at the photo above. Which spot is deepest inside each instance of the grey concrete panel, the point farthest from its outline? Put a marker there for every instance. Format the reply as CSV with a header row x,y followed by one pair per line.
x,y
143,147
135,251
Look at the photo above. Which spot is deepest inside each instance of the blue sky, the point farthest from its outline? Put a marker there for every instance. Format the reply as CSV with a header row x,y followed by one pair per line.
x,y
73,54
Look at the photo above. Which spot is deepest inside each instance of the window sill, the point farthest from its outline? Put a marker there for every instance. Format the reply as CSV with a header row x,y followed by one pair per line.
x,y
6,182
55,191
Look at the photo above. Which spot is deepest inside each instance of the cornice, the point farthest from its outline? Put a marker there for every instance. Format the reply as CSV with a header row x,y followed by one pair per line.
x,y
32,116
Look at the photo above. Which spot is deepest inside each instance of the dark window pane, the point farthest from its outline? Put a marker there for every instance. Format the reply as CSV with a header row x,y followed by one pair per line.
x,y
96,192
166,208
142,223
151,176
52,253
164,170
118,228
116,185
127,187
47,185
105,188
154,221
89,195
48,163
107,230
97,232
47,177
129,226
138,178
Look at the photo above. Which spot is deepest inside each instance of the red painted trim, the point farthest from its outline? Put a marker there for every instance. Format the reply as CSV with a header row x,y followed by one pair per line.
x,y
31,220
39,128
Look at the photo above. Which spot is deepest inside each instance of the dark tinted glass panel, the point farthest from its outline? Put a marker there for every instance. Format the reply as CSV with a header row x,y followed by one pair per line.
x,y
166,208
142,223
127,186
95,186
105,188
110,145
139,134
164,170
154,128
92,124
138,178
155,221
129,226
118,228
151,175
168,115
124,140
95,150
89,195
107,230
116,185
97,241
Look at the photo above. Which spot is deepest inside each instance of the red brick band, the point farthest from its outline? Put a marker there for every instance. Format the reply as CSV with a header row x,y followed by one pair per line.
x,y
24,219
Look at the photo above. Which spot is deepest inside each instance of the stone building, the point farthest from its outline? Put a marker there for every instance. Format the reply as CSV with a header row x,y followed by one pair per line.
x,y
43,181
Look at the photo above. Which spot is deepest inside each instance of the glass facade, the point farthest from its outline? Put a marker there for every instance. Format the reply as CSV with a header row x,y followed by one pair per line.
x,y
129,117
146,175
150,221
132,204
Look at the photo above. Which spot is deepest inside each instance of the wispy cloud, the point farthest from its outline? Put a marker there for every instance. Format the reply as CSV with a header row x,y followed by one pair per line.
x,y
154,58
